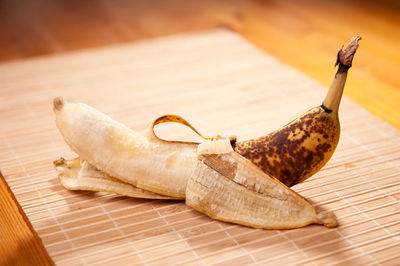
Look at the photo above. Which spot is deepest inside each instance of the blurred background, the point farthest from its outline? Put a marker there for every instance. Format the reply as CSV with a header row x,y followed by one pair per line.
x,y
304,34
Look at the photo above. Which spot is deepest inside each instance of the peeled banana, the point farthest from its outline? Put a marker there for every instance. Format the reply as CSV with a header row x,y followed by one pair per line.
x,y
301,148
212,177
143,161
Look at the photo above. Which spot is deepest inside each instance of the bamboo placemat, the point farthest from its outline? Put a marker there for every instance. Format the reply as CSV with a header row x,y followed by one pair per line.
x,y
221,84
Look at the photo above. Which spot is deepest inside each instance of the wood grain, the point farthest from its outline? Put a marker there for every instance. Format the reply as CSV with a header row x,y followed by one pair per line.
x,y
221,88
24,247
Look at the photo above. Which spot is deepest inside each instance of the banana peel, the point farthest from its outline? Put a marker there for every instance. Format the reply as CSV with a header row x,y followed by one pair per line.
x,y
301,148
232,189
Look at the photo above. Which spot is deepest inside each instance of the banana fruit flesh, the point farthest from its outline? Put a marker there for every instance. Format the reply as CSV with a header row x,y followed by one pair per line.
x,y
213,178
77,174
145,162
298,150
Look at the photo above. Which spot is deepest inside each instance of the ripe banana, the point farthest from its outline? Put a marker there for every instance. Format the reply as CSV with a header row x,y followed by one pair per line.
x,y
298,150
214,179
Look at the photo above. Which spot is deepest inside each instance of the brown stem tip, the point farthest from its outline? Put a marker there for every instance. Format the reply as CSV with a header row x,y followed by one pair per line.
x,y
58,104
345,56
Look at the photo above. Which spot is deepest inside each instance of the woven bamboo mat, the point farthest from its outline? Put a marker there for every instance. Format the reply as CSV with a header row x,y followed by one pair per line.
x,y
221,84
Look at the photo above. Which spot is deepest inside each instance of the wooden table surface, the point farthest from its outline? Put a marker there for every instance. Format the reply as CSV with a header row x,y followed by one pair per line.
x,y
304,34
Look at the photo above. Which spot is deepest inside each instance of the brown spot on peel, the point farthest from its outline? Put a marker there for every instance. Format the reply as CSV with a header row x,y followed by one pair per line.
x,y
293,157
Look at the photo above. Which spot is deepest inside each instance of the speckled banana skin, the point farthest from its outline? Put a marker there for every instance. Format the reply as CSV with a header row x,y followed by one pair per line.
x,y
298,150
301,148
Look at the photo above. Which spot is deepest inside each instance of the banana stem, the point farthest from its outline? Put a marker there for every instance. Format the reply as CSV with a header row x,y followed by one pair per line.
x,y
344,60
332,99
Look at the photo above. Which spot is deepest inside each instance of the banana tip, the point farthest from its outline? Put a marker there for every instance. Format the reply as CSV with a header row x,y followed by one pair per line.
x,y
58,104
327,219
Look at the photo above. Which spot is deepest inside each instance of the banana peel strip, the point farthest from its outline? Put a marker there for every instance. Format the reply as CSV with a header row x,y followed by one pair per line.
x,y
170,118
174,119
232,189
